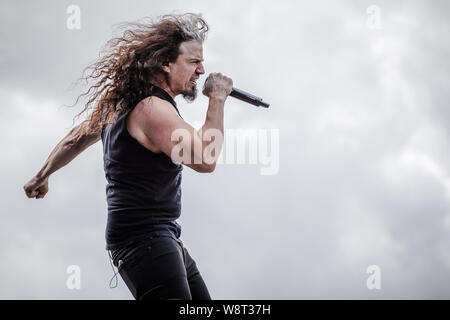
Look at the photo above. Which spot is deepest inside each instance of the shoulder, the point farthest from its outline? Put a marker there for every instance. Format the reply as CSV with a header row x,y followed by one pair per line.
x,y
152,102
155,116
155,111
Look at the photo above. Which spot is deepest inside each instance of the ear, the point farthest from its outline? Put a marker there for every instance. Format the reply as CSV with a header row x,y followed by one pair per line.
x,y
165,67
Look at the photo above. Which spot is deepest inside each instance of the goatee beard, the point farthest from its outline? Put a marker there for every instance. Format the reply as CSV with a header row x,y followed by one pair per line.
x,y
191,95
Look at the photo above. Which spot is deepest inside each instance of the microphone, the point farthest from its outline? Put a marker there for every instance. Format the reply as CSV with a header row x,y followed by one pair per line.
x,y
249,98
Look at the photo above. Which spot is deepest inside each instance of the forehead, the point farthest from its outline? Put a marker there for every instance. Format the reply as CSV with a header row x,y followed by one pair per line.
x,y
192,49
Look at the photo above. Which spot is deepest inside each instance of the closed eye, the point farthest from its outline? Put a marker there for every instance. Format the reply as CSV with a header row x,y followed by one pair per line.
x,y
196,61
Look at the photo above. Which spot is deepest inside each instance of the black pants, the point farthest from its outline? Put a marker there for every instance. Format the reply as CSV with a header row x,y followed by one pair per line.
x,y
161,268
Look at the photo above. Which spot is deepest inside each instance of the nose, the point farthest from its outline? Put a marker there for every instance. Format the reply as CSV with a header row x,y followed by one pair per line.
x,y
200,69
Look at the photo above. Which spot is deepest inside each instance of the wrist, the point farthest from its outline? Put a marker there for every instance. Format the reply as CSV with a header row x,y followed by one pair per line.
x,y
219,99
42,175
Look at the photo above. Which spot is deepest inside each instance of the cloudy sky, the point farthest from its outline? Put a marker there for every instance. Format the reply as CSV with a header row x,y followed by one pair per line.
x,y
360,166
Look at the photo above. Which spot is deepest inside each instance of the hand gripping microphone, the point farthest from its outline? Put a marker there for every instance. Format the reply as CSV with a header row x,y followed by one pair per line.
x,y
249,98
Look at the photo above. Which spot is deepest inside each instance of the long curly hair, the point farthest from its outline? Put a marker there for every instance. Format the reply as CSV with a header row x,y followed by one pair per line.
x,y
123,72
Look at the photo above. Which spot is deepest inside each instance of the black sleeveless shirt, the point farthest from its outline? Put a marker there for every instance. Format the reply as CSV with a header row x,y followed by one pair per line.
x,y
144,188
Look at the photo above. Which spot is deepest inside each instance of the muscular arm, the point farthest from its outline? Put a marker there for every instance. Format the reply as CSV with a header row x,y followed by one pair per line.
x,y
65,151
166,132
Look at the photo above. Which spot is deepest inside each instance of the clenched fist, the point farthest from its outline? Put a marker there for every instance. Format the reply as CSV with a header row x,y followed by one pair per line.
x,y
217,86
36,188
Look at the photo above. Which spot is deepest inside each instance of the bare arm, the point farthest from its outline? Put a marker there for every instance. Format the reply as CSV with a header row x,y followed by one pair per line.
x,y
168,133
65,151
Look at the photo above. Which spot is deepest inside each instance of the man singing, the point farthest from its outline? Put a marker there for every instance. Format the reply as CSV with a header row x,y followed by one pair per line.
x,y
135,116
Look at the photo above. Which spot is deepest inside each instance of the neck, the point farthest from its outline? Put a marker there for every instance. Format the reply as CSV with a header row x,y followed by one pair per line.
x,y
162,83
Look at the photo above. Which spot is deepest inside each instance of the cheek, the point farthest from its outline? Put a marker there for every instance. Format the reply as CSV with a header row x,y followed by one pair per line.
x,y
191,70
188,72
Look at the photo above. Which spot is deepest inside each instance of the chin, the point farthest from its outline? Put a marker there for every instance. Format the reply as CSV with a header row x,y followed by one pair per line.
x,y
190,95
